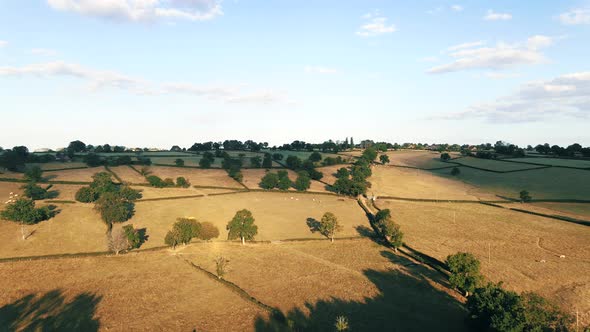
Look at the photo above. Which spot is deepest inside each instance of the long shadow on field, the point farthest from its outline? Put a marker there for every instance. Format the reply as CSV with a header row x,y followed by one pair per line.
x,y
51,312
409,300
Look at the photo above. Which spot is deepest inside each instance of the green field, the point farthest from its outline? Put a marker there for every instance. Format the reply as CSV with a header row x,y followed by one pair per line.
x,y
303,154
555,162
547,183
492,165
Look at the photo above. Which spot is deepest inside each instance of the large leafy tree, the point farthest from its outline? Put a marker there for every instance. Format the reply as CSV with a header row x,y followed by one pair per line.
x,y
269,181
329,226
34,174
242,226
465,274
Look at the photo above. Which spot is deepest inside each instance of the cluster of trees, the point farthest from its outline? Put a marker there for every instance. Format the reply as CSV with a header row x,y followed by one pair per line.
x,y
327,146
32,190
353,181
281,181
186,229
24,211
388,229
248,145
570,151
114,203
126,238
295,163
493,308
15,159
233,167
156,181
94,160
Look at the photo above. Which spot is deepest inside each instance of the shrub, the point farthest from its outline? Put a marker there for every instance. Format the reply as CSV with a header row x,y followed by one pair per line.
x,y
205,163
221,264
92,160
267,161
208,231
269,181
284,181
156,181
182,182
293,162
445,156
134,237
525,197
384,159
315,157
35,192
455,171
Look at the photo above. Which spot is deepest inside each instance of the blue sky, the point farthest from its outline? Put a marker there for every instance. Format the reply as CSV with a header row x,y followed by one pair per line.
x,y
164,72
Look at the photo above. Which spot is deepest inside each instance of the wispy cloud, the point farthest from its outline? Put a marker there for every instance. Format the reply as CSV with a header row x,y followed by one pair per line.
x,y
43,52
101,79
576,16
564,96
457,8
493,16
320,70
470,56
142,10
375,25
3,43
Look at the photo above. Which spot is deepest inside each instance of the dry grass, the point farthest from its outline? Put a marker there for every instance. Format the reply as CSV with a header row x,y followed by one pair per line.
x,y
517,243
355,278
580,210
4,174
58,165
329,172
78,175
129,175
409,183
278,215
198,177
151,192
150,291
415,158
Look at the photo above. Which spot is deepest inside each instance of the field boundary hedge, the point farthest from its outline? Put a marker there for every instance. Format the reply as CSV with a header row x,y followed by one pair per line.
x,y
60,201
216,187
169,198
65,169
108,169
432,200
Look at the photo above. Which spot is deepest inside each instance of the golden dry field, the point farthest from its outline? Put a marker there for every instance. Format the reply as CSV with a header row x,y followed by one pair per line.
x,y
129,175
75,175
415,158
519,249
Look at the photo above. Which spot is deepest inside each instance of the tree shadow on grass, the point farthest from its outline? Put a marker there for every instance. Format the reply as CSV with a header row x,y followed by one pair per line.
x,y
409,299
365,231
51,312
143,237
313,224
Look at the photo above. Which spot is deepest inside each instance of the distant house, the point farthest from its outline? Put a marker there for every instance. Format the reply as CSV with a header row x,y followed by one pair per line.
x,y
154,150
42,150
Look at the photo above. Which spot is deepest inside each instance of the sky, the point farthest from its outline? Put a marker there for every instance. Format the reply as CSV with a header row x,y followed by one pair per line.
x,y
157,73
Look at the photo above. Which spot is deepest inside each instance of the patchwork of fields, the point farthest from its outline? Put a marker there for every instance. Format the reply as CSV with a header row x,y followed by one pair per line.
x,y
309,280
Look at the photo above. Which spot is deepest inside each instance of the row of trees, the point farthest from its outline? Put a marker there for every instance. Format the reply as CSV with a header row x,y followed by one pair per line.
x,y
156,181
493,308
352,181
281,181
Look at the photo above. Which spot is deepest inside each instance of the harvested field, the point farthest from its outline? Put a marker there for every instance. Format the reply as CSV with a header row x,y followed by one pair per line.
x,y
555,162
415,158
127,174
493,165
76,228
329,172
119,294
410,183
151,192
577,209
279,216
313,282
520,249
539,208
548,183
197,177
77,175
66,192
11,175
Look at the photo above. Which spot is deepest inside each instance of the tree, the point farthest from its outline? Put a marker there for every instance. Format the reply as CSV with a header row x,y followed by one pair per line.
x,y
269,181
188,228
284,181
173,238
491,308
242,226
303,181
179,162
208,231
156,181
267,161
76,146
342,173
525,197
34,174
369,154
455,171
445,156
256,162
118,241
113,208
464,268
35,192
277,156
293,162
384,159
329,226
134,237
315,156
23,210
205,163
86,195
390,230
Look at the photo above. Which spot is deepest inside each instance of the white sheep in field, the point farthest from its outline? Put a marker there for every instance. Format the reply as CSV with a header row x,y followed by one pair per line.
x,y
561,256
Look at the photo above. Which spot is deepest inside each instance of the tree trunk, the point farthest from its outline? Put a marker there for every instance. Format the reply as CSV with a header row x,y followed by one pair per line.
x,y
243,241
332,238
466,294
22,231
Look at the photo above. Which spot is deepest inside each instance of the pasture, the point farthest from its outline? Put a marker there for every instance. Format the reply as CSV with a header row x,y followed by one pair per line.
x,y
493,165
520,249
554,162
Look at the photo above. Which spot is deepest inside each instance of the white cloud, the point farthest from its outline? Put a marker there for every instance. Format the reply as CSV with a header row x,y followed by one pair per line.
x,y
100,79
3,43
576,16
469,56
493,16
320,70
43,52
375,25
564,96
457,8
142,10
